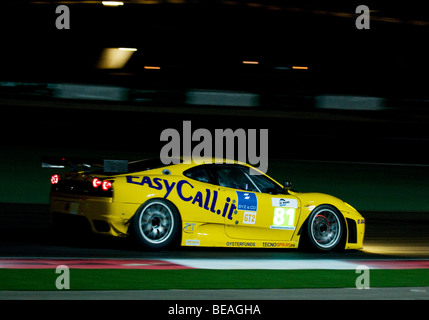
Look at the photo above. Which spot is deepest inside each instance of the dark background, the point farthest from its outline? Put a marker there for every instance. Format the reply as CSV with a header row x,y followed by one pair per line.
x,y
376,160
200,45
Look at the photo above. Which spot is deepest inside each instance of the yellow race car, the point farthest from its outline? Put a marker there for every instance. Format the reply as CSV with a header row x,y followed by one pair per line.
x,y
210,204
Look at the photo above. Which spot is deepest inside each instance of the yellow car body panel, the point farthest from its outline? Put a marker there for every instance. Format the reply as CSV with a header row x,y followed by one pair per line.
x,y
211,215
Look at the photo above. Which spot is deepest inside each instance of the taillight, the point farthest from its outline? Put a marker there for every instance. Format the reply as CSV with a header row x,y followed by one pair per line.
x,y
55,178
106,185
96,182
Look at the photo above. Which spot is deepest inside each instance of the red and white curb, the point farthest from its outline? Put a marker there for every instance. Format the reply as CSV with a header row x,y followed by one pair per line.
x,y
302,264
209,264
42,263
396,264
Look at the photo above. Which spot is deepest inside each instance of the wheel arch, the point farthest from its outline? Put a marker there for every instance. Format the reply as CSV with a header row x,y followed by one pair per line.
x,y
131,220
176,238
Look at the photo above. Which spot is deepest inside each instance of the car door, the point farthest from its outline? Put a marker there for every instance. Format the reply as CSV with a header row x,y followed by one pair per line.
x,y
257,210
200,196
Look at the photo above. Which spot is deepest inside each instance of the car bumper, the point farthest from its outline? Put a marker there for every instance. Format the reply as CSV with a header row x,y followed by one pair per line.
x,y
103,214
355,230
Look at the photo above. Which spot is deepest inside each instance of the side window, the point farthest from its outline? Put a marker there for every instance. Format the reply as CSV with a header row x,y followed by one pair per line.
x,y
262,182
266,185
198,173
233,177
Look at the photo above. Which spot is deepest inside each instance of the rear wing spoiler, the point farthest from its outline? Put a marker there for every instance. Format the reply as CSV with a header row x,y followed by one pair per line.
x,y
108,165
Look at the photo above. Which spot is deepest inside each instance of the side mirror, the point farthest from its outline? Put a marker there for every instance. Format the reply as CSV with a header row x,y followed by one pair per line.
x,y
287,184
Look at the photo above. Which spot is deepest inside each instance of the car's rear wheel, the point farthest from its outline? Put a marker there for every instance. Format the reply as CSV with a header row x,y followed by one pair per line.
x,y
156,224
325,228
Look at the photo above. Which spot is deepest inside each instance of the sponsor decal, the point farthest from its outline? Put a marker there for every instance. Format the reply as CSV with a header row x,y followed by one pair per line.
x,y
282,227
276,244
206,199
284,202
240,244
189,227
247,201
192,242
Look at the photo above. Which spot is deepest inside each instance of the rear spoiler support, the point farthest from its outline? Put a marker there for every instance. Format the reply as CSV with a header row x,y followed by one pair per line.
x,y
111,166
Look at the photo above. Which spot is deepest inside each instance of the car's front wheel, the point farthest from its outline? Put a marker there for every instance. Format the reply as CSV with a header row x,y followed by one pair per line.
x,y
157,224
325,228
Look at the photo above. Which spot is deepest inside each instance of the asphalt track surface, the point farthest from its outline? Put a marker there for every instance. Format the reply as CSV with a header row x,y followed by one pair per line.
x,y
399,293
388,236
25,232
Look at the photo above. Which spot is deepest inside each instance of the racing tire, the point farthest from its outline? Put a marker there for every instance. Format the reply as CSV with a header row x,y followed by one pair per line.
x,y
325,227
157,224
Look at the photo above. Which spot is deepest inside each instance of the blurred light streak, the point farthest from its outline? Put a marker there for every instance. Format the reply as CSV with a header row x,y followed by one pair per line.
x,y
396,249
152,67
250,62
112,3
115,58
299,67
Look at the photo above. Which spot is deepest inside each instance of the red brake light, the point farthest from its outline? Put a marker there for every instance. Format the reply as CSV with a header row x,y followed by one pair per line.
x,y
96,182
55,178
106,185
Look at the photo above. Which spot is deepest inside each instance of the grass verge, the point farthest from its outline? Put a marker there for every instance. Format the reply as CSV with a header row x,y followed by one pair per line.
x,y
114,279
